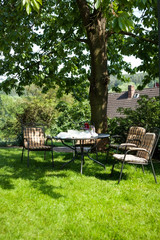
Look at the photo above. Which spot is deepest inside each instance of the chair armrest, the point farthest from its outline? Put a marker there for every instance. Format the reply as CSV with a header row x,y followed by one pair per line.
x,y
49,138
137,149
127,145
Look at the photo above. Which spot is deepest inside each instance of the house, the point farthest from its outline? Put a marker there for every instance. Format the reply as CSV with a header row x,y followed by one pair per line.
x,y
127,99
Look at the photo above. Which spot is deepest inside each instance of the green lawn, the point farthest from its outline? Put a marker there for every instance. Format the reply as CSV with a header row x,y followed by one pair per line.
x,y
43,203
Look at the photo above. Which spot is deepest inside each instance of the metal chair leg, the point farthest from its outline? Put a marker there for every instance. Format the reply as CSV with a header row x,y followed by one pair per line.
x,y
28,159
121,173
143,168
22,155
82,159
153,172
112,168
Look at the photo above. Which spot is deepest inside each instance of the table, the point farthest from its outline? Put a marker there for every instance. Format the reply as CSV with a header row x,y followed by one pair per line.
x,y
82,146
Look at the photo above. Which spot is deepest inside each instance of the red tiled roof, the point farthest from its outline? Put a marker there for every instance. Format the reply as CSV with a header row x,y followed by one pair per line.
x,y
116,100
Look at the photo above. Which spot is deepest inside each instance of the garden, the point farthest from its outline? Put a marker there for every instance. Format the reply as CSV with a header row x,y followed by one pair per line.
x,y
41,202
58,62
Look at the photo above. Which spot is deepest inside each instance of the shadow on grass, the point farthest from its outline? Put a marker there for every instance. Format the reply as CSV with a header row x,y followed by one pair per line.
x,y
5,182
49,190
126,171
137,168
92,169
12,169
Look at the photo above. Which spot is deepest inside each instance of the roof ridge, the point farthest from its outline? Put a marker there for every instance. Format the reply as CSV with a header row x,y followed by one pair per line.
x,y
135,90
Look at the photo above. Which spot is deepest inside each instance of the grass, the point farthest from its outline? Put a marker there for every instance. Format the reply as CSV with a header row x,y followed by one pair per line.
x,y
43,203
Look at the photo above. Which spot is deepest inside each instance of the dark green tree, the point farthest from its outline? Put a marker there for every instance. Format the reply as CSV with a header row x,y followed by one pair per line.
x,y
80,44
146,114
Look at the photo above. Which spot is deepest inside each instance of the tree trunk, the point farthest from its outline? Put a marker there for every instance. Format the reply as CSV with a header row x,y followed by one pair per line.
x,y
95,25
99,75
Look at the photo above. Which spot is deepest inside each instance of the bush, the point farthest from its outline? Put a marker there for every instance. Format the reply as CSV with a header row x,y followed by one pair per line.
x,y
71,116
147,114
35,107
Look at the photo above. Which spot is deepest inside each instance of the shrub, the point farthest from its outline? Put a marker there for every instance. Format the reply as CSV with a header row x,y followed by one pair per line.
x,y
70,116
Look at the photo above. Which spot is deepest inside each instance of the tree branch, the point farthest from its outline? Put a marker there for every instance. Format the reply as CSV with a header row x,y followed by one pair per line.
x,y
109,33
142,38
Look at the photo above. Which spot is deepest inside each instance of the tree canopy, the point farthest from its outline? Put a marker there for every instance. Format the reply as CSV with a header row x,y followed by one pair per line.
x,y
76,44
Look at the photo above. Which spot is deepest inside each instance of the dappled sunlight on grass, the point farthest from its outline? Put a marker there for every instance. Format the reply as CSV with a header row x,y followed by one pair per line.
x,y
42,202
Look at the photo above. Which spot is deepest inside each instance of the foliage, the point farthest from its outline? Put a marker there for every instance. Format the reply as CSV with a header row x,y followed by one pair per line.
x,y
15,111
119,126
146,114
37,110
36,107
41,67
9,107
71,116
60,204
135,79
67,46
29,4
79,44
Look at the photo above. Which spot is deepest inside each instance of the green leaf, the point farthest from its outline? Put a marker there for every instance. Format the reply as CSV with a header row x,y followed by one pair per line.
x,y
28,8
29,4
121,23
36,5
144,1
129,24
115,24
24,2
40,2
97,4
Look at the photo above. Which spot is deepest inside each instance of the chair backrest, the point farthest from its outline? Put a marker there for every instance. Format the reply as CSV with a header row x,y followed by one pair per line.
x,y
148,143
135,135
34,136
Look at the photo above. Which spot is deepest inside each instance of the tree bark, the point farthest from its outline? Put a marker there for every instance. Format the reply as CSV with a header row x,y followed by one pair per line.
x,y
95,25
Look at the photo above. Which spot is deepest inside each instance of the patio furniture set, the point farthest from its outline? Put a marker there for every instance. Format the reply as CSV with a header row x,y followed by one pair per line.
x,y
138,148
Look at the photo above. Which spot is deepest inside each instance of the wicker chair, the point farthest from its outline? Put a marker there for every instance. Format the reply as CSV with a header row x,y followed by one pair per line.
x,y
144,153
134,139
34,140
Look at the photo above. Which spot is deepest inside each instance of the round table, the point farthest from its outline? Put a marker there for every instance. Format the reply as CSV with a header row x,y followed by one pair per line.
x,y
82,146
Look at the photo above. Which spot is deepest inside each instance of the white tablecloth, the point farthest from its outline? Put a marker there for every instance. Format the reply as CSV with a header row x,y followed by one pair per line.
x,y
74,134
